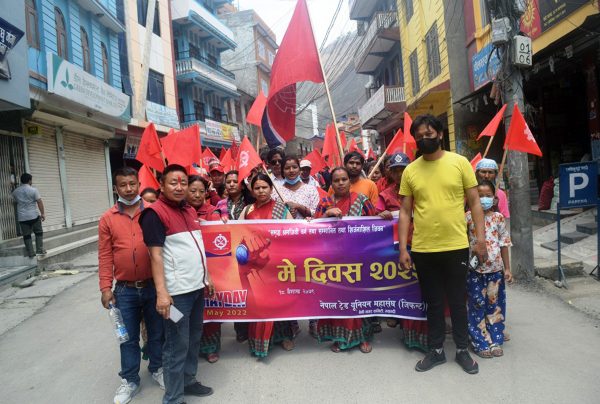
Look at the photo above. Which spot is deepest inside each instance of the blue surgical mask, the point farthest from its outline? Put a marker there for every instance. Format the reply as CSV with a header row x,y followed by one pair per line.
x,y
486,202
131,202
294,181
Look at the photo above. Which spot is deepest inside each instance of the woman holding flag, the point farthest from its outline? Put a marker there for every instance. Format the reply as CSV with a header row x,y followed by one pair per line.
x,y
345,333
262,335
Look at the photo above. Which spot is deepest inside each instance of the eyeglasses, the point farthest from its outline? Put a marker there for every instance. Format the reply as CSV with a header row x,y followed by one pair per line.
x,y
275,162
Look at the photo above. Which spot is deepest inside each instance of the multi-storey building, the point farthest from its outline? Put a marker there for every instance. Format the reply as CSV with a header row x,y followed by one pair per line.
x,y
561,88
379,56
204,86
251,62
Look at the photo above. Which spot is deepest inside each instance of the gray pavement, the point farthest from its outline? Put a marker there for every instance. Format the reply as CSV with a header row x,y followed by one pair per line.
x,y
66,353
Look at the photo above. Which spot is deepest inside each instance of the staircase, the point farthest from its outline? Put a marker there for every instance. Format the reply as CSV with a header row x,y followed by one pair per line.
x,y
61,246
583,231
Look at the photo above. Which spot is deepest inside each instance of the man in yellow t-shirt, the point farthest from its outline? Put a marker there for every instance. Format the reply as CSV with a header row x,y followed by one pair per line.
x,y
437,183
354,163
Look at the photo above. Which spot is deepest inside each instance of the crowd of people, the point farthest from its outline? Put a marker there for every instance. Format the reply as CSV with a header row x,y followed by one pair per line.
x,y
452,227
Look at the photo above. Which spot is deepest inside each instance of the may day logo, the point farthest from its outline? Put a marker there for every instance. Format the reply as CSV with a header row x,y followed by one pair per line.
x,y
217,244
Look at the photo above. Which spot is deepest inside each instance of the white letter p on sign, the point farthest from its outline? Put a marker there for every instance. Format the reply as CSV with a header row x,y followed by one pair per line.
x,y
573,186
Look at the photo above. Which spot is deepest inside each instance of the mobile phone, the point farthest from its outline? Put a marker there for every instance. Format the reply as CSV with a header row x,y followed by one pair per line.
x,y
174,314
474,262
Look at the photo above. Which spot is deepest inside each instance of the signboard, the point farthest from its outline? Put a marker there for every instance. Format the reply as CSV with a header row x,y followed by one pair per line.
x,y
73,83
578,185
325,268
9,36
162,115
483,72
541,15
132,143
221,132
14,72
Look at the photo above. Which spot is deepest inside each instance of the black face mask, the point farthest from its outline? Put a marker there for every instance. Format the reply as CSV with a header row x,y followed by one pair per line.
x,y
428,145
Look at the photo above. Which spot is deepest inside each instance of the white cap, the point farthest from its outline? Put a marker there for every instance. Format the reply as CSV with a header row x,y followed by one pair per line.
x,y
305,163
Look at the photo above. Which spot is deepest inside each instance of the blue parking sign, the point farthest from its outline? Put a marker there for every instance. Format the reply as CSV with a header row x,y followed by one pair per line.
x,y
578,185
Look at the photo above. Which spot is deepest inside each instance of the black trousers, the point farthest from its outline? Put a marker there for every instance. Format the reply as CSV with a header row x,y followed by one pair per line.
x,y
444,275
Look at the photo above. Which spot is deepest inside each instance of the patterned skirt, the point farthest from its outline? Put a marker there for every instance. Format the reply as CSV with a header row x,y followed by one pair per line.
x,y
211,338
415,334
263,335
347,332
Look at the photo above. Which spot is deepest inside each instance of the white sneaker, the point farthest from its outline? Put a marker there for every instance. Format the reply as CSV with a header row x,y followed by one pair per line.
x,y
159,378
125,392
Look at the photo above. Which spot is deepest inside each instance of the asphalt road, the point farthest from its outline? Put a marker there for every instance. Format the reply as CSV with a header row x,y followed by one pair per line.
x,y
66,353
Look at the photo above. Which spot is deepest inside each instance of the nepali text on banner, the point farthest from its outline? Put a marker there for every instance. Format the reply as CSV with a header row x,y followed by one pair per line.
x,y
286,269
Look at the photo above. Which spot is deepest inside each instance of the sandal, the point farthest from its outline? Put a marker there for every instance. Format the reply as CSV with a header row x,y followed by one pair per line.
x,y
392,322
365,347
312,330
506,336
485,354
497,351
335,348
288,344
376,328
241,338
212,357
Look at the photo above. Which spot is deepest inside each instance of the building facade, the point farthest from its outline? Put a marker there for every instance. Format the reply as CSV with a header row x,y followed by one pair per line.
x,y
204,86
561,88
379,56
251,62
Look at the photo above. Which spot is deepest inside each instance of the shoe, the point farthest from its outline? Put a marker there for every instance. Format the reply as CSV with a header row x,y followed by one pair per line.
x,y
287,344
466,362
125,392
431,360
212,357
312,329
41,252
159,378
198,390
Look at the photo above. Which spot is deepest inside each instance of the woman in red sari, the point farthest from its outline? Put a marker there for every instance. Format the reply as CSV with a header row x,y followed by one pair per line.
x,y
263,335
415,331
210,344
345,333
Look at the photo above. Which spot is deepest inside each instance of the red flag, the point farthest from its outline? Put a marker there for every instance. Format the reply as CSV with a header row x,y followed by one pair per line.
x,y
354,147
227,161
183,147
248,159
476,160
207,155
407,124
492,127
222,153
401,143
371,154
519,137
147,179
149,150
296,60
317,161
235,150
257,109
330,147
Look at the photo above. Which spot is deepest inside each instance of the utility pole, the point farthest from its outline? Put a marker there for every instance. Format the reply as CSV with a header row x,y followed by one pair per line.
x,y
510,83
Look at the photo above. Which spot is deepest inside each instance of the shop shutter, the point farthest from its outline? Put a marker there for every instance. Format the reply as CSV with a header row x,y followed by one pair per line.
x,y
43,166
86,177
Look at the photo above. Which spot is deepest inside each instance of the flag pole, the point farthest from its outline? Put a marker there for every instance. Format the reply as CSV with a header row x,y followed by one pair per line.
x,y
501,170
376,165
337,132
487,149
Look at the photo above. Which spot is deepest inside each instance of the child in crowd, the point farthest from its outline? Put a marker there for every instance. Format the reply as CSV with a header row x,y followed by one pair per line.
x,y
485,280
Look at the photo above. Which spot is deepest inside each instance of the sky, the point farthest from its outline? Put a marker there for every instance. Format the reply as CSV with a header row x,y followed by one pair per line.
x,y
277,14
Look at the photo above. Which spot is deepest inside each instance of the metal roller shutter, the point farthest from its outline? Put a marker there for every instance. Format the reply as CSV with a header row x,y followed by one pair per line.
x,y
86,177
43,164
12,165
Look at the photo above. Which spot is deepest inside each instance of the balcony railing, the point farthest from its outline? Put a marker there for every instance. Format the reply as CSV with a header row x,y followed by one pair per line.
x,y
380,101
380,21
194,11
194,53
189,119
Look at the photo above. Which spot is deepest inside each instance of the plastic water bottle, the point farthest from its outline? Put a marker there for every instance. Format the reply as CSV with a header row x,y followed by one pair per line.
x,y
117,320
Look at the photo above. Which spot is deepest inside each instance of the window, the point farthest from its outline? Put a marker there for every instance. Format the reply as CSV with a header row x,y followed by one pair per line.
x,y
261,50
156,87
85,50
217,114
142,12
271,58
61,34
414,72
408,9
33,38
199,111
484,13
433,52
105,64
